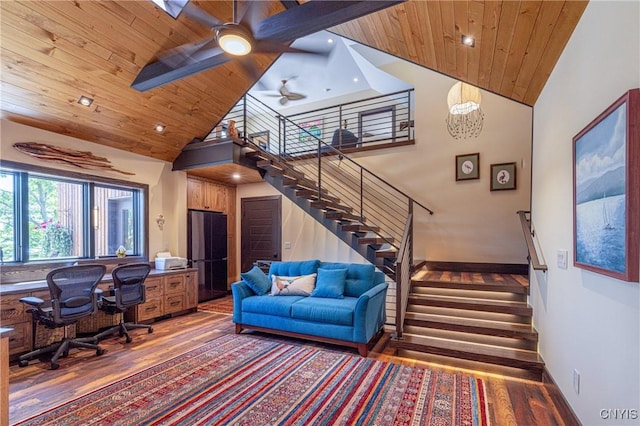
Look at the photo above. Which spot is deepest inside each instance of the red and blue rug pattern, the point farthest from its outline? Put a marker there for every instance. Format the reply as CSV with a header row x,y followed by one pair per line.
x,y
246,380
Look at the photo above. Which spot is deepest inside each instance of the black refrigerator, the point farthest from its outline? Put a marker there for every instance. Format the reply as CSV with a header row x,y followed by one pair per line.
x,y
207,251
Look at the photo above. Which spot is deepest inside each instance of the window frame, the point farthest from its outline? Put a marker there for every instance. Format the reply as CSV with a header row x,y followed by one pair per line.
x,y
22,170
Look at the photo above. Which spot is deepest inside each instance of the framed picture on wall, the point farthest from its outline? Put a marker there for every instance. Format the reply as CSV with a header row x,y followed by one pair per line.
x,y
606,191
468,166
503,176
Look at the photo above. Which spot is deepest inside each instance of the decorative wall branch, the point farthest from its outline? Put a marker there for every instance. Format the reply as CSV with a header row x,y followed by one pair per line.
x,y
68,156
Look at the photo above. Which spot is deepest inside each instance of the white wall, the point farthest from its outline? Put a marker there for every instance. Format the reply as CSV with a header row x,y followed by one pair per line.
x,y
586,321
167,189
308,238
471,223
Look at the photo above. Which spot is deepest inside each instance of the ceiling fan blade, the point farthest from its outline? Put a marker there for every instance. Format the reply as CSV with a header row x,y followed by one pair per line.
x,y
199,15
313,16
158,73
185,53
292,96
252,13
268,46
283,100
249,67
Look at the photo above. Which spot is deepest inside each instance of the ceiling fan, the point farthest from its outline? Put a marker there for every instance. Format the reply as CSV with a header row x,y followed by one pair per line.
x,y
286,95
249,34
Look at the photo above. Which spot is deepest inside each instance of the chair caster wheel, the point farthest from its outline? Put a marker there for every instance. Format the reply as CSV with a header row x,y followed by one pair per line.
x,y
128,340
23,363
150,330
54,365
99,351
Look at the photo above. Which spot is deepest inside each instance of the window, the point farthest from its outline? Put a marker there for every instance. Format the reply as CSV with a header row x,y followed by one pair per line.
x,y
7,217
46,217
55,218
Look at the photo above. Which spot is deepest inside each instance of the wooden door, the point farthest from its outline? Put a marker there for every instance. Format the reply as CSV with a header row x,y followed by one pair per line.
x,y
260,230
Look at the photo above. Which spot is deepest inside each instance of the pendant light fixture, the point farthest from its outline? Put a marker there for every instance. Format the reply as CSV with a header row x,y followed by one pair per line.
x,y
465,118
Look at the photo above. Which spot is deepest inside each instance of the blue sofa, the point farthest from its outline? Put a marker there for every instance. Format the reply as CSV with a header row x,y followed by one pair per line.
x,y
353,318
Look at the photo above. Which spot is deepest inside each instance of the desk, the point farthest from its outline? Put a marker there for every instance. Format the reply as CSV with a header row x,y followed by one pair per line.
x,y
181,295
4,375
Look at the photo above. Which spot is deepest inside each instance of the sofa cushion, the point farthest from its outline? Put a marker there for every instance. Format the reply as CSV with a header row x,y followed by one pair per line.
x,y
294,268
359,277
322,310
279,306
330,283
257,281
293,286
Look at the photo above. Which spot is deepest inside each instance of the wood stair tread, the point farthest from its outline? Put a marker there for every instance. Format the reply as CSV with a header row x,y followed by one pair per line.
x,y
472,325
313,195
501,306
375,240
387,253
325,205
337,215
511,357
465,285
359,227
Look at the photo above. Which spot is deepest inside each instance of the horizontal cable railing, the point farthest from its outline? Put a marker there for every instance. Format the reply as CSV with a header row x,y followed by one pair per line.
x,y
358,124
339,180
527,229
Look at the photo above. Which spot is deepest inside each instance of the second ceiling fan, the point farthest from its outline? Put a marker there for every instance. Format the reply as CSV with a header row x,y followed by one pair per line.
x,y
249,33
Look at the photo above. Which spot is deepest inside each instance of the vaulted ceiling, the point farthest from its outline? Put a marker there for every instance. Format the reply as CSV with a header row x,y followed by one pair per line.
x,y
52,52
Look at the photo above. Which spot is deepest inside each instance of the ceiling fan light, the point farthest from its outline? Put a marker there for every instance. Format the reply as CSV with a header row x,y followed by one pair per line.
x,y
234,41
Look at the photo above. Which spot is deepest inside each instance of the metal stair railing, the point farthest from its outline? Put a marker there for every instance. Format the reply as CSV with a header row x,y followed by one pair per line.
x,y
404,270
377,204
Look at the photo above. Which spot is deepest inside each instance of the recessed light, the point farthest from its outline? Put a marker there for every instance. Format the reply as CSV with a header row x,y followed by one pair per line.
x,y
85,101
468,40
329,40
160,128
236,176
355,79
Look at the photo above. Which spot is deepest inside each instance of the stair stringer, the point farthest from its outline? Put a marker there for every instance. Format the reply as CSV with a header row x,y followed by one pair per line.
x,y
334,226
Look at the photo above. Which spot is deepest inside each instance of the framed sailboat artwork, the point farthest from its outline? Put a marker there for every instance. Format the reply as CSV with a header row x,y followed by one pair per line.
x,y
606,191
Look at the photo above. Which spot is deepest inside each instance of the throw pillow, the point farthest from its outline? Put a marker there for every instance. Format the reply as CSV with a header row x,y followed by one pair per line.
x,y
293,286
330,283
257,281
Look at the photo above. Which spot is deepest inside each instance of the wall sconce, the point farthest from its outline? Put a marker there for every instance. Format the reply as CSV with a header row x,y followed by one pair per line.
x,y
160,221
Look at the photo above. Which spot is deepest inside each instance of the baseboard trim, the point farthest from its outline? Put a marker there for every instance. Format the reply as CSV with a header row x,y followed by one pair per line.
x,y
566,412
500,268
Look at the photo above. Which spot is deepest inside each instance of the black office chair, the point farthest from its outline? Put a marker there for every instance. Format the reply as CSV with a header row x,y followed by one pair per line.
x,y
74,295
128,291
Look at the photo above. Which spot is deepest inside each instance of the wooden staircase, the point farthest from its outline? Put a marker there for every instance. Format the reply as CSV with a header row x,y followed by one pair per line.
x,y
472,320
329,210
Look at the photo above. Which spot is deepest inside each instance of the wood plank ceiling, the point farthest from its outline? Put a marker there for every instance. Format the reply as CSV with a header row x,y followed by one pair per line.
x,y
54,51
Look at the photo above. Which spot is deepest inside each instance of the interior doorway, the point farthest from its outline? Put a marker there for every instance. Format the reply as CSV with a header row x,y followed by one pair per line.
x,y
260,230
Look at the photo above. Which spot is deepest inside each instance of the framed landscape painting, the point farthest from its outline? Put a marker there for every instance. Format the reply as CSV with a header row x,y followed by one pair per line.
x,y
606,191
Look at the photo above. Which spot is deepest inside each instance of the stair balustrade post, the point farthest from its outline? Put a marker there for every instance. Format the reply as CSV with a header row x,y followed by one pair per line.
x,y
361,192
411,235
319,170
399,299
340,127
244,118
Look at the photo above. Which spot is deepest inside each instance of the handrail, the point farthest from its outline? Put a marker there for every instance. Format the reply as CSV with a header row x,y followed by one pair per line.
x,y
403,275
378,204
528,238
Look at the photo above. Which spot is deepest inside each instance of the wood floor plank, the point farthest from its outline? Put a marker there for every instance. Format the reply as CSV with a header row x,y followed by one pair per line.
x,y
35,388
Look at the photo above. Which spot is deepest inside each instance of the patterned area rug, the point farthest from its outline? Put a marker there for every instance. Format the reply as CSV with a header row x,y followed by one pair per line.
x,y
223,305
253,381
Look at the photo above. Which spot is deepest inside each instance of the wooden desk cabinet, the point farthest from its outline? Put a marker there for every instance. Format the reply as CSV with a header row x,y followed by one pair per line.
x,y
166,295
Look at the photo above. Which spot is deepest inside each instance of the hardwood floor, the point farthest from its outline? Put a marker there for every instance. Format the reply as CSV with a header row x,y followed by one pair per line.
x,y
35,388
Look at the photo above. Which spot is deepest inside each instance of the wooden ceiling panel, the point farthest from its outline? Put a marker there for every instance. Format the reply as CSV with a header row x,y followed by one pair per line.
x,y
55,51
